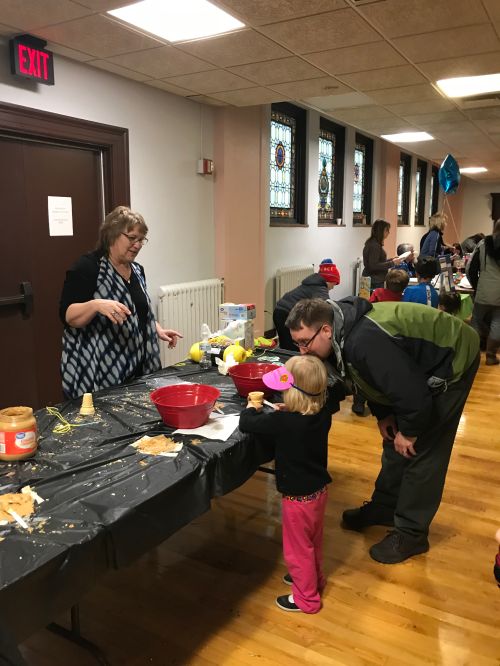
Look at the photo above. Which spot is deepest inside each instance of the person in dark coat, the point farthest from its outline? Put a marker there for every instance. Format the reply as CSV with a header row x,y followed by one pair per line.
x,y
316,285
416,366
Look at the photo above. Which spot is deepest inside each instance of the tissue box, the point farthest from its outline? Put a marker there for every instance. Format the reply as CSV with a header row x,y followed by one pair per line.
x,y
230,311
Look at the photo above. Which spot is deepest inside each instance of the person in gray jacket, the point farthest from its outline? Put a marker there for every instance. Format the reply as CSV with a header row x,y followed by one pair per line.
x,y
375,259
483,271
316,285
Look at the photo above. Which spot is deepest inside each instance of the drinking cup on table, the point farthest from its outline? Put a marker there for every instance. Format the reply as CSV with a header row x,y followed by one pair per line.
x,y
255,399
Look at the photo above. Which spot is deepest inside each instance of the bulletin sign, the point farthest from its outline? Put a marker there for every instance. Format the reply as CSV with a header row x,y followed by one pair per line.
x,y
30,59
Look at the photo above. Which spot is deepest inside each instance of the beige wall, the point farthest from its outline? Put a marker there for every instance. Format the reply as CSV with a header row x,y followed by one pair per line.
x,y
241,183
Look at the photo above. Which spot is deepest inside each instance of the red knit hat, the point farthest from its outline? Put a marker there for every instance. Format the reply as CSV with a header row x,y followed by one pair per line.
x,y
329,271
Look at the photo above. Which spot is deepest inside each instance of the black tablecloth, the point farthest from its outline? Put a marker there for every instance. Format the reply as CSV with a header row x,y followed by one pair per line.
x,y
105,502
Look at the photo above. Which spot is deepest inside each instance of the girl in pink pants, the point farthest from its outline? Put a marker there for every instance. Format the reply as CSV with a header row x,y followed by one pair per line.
x,y
300,429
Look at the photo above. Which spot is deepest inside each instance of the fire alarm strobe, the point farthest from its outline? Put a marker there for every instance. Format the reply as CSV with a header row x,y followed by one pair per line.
x,y
205,167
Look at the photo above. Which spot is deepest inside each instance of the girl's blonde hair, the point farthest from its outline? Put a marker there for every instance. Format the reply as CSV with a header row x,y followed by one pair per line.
x,y
309,374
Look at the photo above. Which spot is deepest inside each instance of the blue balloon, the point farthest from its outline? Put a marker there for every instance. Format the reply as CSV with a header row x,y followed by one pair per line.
x,y
449,175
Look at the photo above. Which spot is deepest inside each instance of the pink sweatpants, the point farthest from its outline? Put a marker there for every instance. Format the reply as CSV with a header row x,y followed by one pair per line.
x,y
303,550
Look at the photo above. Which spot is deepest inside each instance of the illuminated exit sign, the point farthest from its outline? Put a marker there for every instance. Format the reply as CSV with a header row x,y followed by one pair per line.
x,y
30,59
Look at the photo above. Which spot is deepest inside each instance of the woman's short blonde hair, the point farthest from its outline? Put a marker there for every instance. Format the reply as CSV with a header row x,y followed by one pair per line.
x,y
309,374
120,220
438,221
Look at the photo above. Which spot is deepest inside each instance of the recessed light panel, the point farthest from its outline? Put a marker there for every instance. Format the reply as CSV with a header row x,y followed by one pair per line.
x,y
178,20
473,170
408,137
467,86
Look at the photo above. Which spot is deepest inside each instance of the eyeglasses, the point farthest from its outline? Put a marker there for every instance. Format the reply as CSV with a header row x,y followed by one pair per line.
x,y
133,239
306,345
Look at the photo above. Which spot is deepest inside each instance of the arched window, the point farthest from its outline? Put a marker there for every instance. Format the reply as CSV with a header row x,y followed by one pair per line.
x,y
330,173
362,189
287,164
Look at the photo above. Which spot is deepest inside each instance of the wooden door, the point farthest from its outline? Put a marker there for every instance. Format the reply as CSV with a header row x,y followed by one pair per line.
x,y
30,333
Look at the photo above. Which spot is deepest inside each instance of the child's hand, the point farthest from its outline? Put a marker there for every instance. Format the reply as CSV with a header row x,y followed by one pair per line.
x,y
280,407
255,405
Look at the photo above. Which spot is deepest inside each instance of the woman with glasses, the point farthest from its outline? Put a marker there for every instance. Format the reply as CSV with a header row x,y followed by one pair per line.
x,y
110,332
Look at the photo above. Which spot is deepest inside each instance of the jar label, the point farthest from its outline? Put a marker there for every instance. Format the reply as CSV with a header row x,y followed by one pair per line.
x,y
17,443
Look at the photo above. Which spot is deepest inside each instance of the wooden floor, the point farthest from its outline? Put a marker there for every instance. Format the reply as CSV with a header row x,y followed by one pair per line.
x,y
207,595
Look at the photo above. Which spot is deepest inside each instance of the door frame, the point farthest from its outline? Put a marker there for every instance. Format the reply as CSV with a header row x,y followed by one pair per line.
x,y
25,122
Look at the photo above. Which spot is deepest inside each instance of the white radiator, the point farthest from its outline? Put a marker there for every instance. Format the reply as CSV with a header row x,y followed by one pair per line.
x,y
289,277
185,307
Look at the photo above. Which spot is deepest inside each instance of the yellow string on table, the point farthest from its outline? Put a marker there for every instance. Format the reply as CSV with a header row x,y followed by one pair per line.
x,y
64,426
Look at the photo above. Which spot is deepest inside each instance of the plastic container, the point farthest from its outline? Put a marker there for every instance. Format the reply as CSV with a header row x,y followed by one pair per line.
x,y
185,405
18,433
205,348
247,377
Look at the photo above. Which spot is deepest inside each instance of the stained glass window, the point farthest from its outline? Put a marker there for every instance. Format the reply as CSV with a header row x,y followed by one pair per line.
x,y
359,178
420,186
362,180
434,190
282,165
326,175
404,189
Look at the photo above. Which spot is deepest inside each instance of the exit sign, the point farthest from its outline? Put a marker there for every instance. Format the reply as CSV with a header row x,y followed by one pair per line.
x,y
30,59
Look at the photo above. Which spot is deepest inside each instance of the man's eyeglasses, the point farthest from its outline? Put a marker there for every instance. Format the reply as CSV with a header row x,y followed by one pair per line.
x,y
307,343
133,239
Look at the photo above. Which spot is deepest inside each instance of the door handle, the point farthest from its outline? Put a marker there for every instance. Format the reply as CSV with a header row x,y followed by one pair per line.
x,y
24,299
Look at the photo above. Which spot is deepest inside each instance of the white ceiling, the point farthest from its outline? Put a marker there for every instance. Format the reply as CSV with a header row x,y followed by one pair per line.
x,y
369,63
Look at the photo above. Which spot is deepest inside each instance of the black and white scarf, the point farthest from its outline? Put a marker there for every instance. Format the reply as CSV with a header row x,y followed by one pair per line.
x,y
102,354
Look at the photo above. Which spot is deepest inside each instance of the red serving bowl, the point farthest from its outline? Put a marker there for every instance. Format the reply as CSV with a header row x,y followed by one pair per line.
x,y
185,405
247,377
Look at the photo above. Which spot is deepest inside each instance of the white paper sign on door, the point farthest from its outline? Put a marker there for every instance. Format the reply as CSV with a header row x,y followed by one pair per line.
x,y
60,216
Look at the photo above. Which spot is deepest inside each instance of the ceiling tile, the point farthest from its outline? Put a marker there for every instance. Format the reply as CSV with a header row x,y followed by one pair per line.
x,y
400,17
384,125
483,114
486,63
364,113
31,14
390,77
427,106
169,87
259,12
217,80
311,87
493,8
404,94
342,28
97,35
250,96
357,58
437,119
278,71
69,53
105,5
491,125
204,99
342,101
162,62
238,48
444,44
8,30
121,71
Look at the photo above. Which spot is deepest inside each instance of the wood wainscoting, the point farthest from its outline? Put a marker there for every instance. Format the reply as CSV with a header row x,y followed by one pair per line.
x,y
206,596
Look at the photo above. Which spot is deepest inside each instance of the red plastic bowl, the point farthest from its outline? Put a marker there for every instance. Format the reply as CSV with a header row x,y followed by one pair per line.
x,y
247,377
185,405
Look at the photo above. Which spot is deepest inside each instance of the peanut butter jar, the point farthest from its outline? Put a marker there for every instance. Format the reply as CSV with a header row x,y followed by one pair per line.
x,y
18,433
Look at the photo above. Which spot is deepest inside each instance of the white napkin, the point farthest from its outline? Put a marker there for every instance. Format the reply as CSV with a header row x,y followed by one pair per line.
x,y
219,426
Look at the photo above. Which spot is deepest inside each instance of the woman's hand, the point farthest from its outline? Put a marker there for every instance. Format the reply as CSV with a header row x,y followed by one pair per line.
x,y
79,315
397,261
168,335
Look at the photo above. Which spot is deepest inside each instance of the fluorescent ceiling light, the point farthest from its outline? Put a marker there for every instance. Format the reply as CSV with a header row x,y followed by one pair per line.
x,y
408,137
178,20
473,170
465,86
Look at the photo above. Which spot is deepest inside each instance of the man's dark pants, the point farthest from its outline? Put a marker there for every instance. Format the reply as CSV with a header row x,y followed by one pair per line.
x,y
413,487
